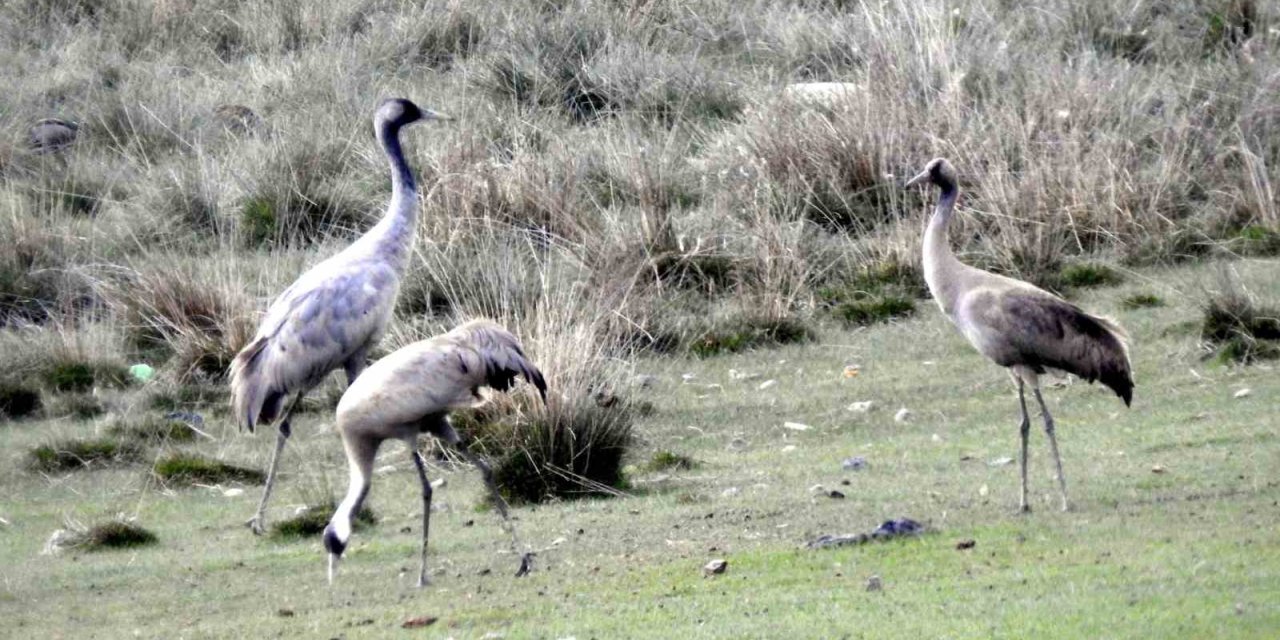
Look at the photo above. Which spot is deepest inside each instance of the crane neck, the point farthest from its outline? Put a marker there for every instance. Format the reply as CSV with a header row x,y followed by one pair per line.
x,y
396,231
348,508
941,267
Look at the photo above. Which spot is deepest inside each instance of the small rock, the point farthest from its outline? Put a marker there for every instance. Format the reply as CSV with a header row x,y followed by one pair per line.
x,y
232,492
734,374
285,613
1243,393
835,494
559,541
738,443
687,377
715,567
936,438
644,380
4,523
796,426
419,622
860,407
766,384
856,463
999,462
851,371
730,492
789,448
902,415
983,491
966,544
439,482
1157,468
874,583
817,488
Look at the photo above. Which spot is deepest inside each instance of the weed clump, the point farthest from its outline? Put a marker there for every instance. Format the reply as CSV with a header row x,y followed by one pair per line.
x,y
874,308
1141,301
1084,275
312,521
187,468
664,460
68,455
1257,240
18,401
874,293
79,376
1239,329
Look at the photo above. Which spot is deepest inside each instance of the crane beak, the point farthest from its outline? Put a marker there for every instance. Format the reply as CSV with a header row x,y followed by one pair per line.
x,y
428,114
924,175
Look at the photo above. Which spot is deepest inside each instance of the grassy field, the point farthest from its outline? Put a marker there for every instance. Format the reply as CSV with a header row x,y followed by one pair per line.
x,y
634,188
1193,551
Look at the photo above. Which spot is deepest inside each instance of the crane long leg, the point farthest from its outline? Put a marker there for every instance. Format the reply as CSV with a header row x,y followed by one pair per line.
x,y
487,473
1053,447
258,523
426,508
1024,429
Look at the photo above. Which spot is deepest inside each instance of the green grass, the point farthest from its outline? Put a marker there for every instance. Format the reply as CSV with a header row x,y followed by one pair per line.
x,y
1191,552
1083,275
1141,301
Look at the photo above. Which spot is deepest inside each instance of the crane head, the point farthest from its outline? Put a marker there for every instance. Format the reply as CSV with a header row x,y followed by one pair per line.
x,y
335,544
939,172
401,112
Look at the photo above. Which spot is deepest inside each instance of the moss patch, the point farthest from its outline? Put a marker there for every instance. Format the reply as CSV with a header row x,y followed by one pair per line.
x,y
312,522
187,468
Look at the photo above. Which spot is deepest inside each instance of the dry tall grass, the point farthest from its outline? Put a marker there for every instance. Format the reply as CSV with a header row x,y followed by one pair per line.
x,y
622,174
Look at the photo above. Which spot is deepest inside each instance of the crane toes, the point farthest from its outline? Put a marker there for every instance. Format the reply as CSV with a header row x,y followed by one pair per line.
x,y
255,525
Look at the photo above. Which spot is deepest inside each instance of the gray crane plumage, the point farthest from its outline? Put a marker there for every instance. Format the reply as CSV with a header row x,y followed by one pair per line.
x,y
335,312
412,391
1018,325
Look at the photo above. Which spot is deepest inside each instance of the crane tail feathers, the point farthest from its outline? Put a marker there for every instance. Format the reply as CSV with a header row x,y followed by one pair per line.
x,y
248,390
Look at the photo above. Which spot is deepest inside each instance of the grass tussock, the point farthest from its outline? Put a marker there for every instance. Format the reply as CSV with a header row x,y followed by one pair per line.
x,y
104,536
191,469
72,454
312,520
80,376
572,453
1238,328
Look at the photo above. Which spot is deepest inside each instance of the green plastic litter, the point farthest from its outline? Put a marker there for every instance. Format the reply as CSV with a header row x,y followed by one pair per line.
x,y
142,372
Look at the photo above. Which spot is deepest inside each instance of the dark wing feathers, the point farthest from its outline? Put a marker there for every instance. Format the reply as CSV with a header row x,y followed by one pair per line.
x,y
1048,332
502,355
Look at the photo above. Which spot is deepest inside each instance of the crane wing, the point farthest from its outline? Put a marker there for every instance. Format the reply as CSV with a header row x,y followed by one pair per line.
x,y
312,328
1044,331
437,375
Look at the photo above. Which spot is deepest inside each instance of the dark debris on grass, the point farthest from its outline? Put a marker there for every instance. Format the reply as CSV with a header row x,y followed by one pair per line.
x,y
18,401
